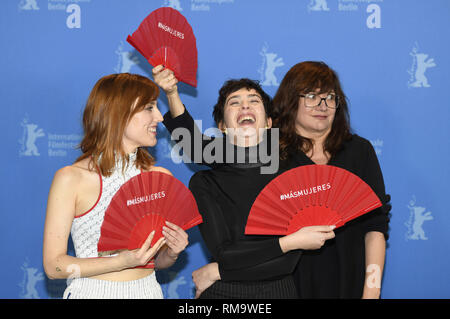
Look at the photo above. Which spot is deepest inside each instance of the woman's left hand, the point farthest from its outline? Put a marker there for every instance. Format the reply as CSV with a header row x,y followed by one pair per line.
x,y
176,239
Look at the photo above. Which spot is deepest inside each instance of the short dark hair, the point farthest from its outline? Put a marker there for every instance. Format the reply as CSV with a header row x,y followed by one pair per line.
x,y
234,85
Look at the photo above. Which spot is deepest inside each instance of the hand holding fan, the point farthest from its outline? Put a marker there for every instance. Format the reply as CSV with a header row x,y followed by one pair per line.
x,y
165,37
144,203
307,196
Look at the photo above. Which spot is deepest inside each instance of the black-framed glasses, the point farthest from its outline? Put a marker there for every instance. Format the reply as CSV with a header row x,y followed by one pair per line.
x,y
313,100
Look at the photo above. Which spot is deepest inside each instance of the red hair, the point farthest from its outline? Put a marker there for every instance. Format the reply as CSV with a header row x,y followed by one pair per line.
x,y
112,102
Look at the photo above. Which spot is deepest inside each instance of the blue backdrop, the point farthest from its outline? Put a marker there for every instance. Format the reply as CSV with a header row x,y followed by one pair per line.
x,y
392,57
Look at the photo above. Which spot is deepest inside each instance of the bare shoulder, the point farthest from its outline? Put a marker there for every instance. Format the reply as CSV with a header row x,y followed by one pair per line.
x,y
73,175
68,175
160,169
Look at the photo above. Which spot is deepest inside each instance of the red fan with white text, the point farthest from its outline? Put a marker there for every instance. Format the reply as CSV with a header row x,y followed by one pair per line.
x,y
165,37
310,195
144,203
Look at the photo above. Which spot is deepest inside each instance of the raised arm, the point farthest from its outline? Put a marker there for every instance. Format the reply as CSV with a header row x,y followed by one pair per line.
x,y
182,127
166,80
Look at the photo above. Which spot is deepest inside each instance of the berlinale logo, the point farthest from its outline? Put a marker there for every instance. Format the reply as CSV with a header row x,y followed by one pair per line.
x,y
419,66
28,5
270,62
417,216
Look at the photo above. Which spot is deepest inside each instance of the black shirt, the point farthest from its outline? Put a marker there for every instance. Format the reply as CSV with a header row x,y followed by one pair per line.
x,y
337,270
225,196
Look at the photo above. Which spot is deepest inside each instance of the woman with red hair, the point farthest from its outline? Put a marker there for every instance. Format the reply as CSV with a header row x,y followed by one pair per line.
x,y
119,121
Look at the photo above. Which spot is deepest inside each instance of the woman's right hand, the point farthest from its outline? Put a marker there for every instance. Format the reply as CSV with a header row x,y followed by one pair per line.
x,y
204,277
308,238
141,256
165,79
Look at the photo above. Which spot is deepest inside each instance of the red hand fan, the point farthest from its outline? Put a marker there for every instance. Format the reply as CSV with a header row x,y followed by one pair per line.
x,y
165,37
144,203
307,196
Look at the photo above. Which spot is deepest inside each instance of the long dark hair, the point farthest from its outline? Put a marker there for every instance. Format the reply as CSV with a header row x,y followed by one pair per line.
x,y
302,78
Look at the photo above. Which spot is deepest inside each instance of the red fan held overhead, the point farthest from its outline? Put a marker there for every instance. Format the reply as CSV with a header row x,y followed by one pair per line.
x,y
143,204
165,37
310,195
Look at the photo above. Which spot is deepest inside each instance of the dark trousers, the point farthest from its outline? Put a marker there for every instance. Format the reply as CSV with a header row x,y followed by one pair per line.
x,y
283,288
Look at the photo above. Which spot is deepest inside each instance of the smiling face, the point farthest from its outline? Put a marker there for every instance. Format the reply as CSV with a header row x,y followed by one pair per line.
x,y
245,117
314,121
141,129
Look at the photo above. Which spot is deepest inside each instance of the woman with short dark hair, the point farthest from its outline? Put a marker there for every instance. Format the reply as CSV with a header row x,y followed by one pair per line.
x,y
243,266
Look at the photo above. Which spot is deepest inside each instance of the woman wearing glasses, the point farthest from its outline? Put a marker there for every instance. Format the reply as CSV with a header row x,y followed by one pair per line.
x,y
311,111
